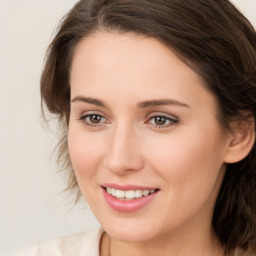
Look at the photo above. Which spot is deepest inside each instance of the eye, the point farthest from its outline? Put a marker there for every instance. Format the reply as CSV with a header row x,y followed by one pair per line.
x,y
162,121
93,120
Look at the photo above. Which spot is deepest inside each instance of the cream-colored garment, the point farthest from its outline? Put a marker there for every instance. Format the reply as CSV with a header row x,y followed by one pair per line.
x,y
83,244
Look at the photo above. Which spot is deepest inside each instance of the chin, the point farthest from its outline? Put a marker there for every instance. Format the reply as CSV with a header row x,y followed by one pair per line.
x,y
131,235
130,232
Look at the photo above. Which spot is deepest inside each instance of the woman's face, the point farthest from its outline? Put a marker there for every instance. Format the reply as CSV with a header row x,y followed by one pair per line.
x,y
143,128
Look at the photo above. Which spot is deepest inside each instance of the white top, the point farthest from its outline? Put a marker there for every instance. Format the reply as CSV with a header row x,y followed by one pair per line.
x,y
82,244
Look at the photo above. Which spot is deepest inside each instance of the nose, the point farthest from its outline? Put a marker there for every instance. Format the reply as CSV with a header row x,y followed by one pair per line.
x,y
123,154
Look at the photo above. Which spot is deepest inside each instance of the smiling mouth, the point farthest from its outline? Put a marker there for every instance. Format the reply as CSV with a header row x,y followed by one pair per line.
x,y
129,194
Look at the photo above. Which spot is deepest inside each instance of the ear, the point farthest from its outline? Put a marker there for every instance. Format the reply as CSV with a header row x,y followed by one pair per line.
x,y
241,140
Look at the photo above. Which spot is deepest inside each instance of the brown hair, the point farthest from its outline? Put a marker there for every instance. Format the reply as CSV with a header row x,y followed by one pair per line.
x,y
214,39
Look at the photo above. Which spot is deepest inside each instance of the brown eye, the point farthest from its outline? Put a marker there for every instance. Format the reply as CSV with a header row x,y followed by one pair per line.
x,y
160,120
95,119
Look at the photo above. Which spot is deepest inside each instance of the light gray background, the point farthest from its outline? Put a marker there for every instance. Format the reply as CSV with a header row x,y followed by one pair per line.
x,y
32,208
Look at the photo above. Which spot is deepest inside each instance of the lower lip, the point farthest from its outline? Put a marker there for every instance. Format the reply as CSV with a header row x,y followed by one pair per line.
x,y
128,206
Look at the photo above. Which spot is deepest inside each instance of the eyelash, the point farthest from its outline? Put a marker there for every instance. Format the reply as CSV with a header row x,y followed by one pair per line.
x,y
171,121
84,121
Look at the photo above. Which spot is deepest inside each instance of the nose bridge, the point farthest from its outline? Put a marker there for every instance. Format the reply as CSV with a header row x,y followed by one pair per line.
x,y
123,150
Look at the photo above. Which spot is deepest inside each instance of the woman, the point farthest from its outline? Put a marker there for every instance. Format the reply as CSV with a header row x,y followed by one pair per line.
x,y
157,104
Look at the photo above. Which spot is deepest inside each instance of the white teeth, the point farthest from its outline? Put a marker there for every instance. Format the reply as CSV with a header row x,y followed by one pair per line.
x,y
119,193
129,194
145,192
113,192
138,193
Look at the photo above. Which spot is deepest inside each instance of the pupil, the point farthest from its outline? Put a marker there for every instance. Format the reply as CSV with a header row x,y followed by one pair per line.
x,y
160,120
95,119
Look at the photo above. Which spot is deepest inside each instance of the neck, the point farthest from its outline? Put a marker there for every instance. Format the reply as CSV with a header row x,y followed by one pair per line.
x,y
166,245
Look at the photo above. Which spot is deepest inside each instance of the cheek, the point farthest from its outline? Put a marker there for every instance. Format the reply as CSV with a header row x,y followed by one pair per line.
x,y
190,163
85,152
191,173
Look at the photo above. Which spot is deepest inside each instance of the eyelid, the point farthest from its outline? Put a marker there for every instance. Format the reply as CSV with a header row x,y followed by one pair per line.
x,y
163,114
93,112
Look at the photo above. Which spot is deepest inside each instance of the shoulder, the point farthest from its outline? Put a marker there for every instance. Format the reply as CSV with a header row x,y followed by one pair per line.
x,y
82,244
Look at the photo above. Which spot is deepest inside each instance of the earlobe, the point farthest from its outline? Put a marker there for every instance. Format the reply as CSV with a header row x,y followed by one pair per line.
x,y
241,140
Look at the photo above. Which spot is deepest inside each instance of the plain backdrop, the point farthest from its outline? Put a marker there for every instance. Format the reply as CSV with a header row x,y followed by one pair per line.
x,y
32,207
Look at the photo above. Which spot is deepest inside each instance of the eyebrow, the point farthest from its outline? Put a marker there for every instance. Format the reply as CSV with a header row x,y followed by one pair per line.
x,y
93,101
141,105
155,103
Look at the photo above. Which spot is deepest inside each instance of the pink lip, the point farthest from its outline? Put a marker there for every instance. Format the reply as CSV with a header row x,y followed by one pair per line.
x,y
127,206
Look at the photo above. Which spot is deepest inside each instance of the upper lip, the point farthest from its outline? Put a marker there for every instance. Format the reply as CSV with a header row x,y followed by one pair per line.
x,y
127,187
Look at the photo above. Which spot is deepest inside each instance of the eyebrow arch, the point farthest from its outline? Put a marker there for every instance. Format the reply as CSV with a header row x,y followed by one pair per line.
x,y
155,103
144,104
93,101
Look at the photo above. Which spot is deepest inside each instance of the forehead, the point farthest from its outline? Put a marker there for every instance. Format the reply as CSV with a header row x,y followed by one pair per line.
x,y
130,64
118,50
